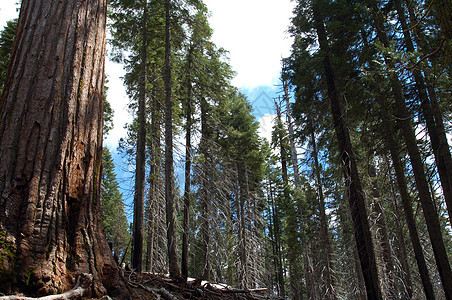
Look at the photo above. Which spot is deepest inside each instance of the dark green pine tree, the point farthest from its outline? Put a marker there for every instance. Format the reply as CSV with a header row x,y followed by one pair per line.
x,y
113,210
7,36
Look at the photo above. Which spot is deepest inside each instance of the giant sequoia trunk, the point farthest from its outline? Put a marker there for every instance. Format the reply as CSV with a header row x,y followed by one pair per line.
x,y
50,151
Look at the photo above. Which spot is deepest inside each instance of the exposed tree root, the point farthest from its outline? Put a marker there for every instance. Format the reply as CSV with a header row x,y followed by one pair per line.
x,y
152,286
80,289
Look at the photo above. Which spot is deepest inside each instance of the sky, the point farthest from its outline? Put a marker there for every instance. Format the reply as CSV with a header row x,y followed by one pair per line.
x,y
254,33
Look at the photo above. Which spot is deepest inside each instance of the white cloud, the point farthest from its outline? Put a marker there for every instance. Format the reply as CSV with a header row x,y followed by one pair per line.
x,y
266,126
119,100
8,11
254,32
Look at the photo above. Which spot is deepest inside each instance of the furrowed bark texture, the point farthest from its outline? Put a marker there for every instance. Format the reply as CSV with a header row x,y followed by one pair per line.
x,y
50,151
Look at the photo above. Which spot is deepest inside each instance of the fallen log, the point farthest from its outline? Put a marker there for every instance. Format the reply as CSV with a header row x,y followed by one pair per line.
x,y
237,291
82,286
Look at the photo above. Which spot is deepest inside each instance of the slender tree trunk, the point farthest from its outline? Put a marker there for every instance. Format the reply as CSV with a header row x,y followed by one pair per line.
x,y
359,273
405,198
285,176
233,205
400,244
293,149
435,125
421,41
382,235
243,199
444,14
205,190
323,220
140,166
50,152
310,290
154,182
187,189
277,243
353,184
404,122
169,167
394,149
297,179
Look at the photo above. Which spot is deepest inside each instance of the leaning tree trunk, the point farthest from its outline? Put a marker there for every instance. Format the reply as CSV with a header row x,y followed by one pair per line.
x,y
444,14
393,148
405,197
353,186
50,151
404,122
435,125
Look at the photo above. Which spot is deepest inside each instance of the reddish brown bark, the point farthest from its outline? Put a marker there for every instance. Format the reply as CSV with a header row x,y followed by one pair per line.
x,y
50,151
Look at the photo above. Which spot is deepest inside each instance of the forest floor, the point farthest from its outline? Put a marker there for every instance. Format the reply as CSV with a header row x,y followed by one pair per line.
x,y
155,286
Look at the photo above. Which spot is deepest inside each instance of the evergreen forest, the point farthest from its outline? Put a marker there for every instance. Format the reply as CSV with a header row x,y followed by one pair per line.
x,y
350,199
